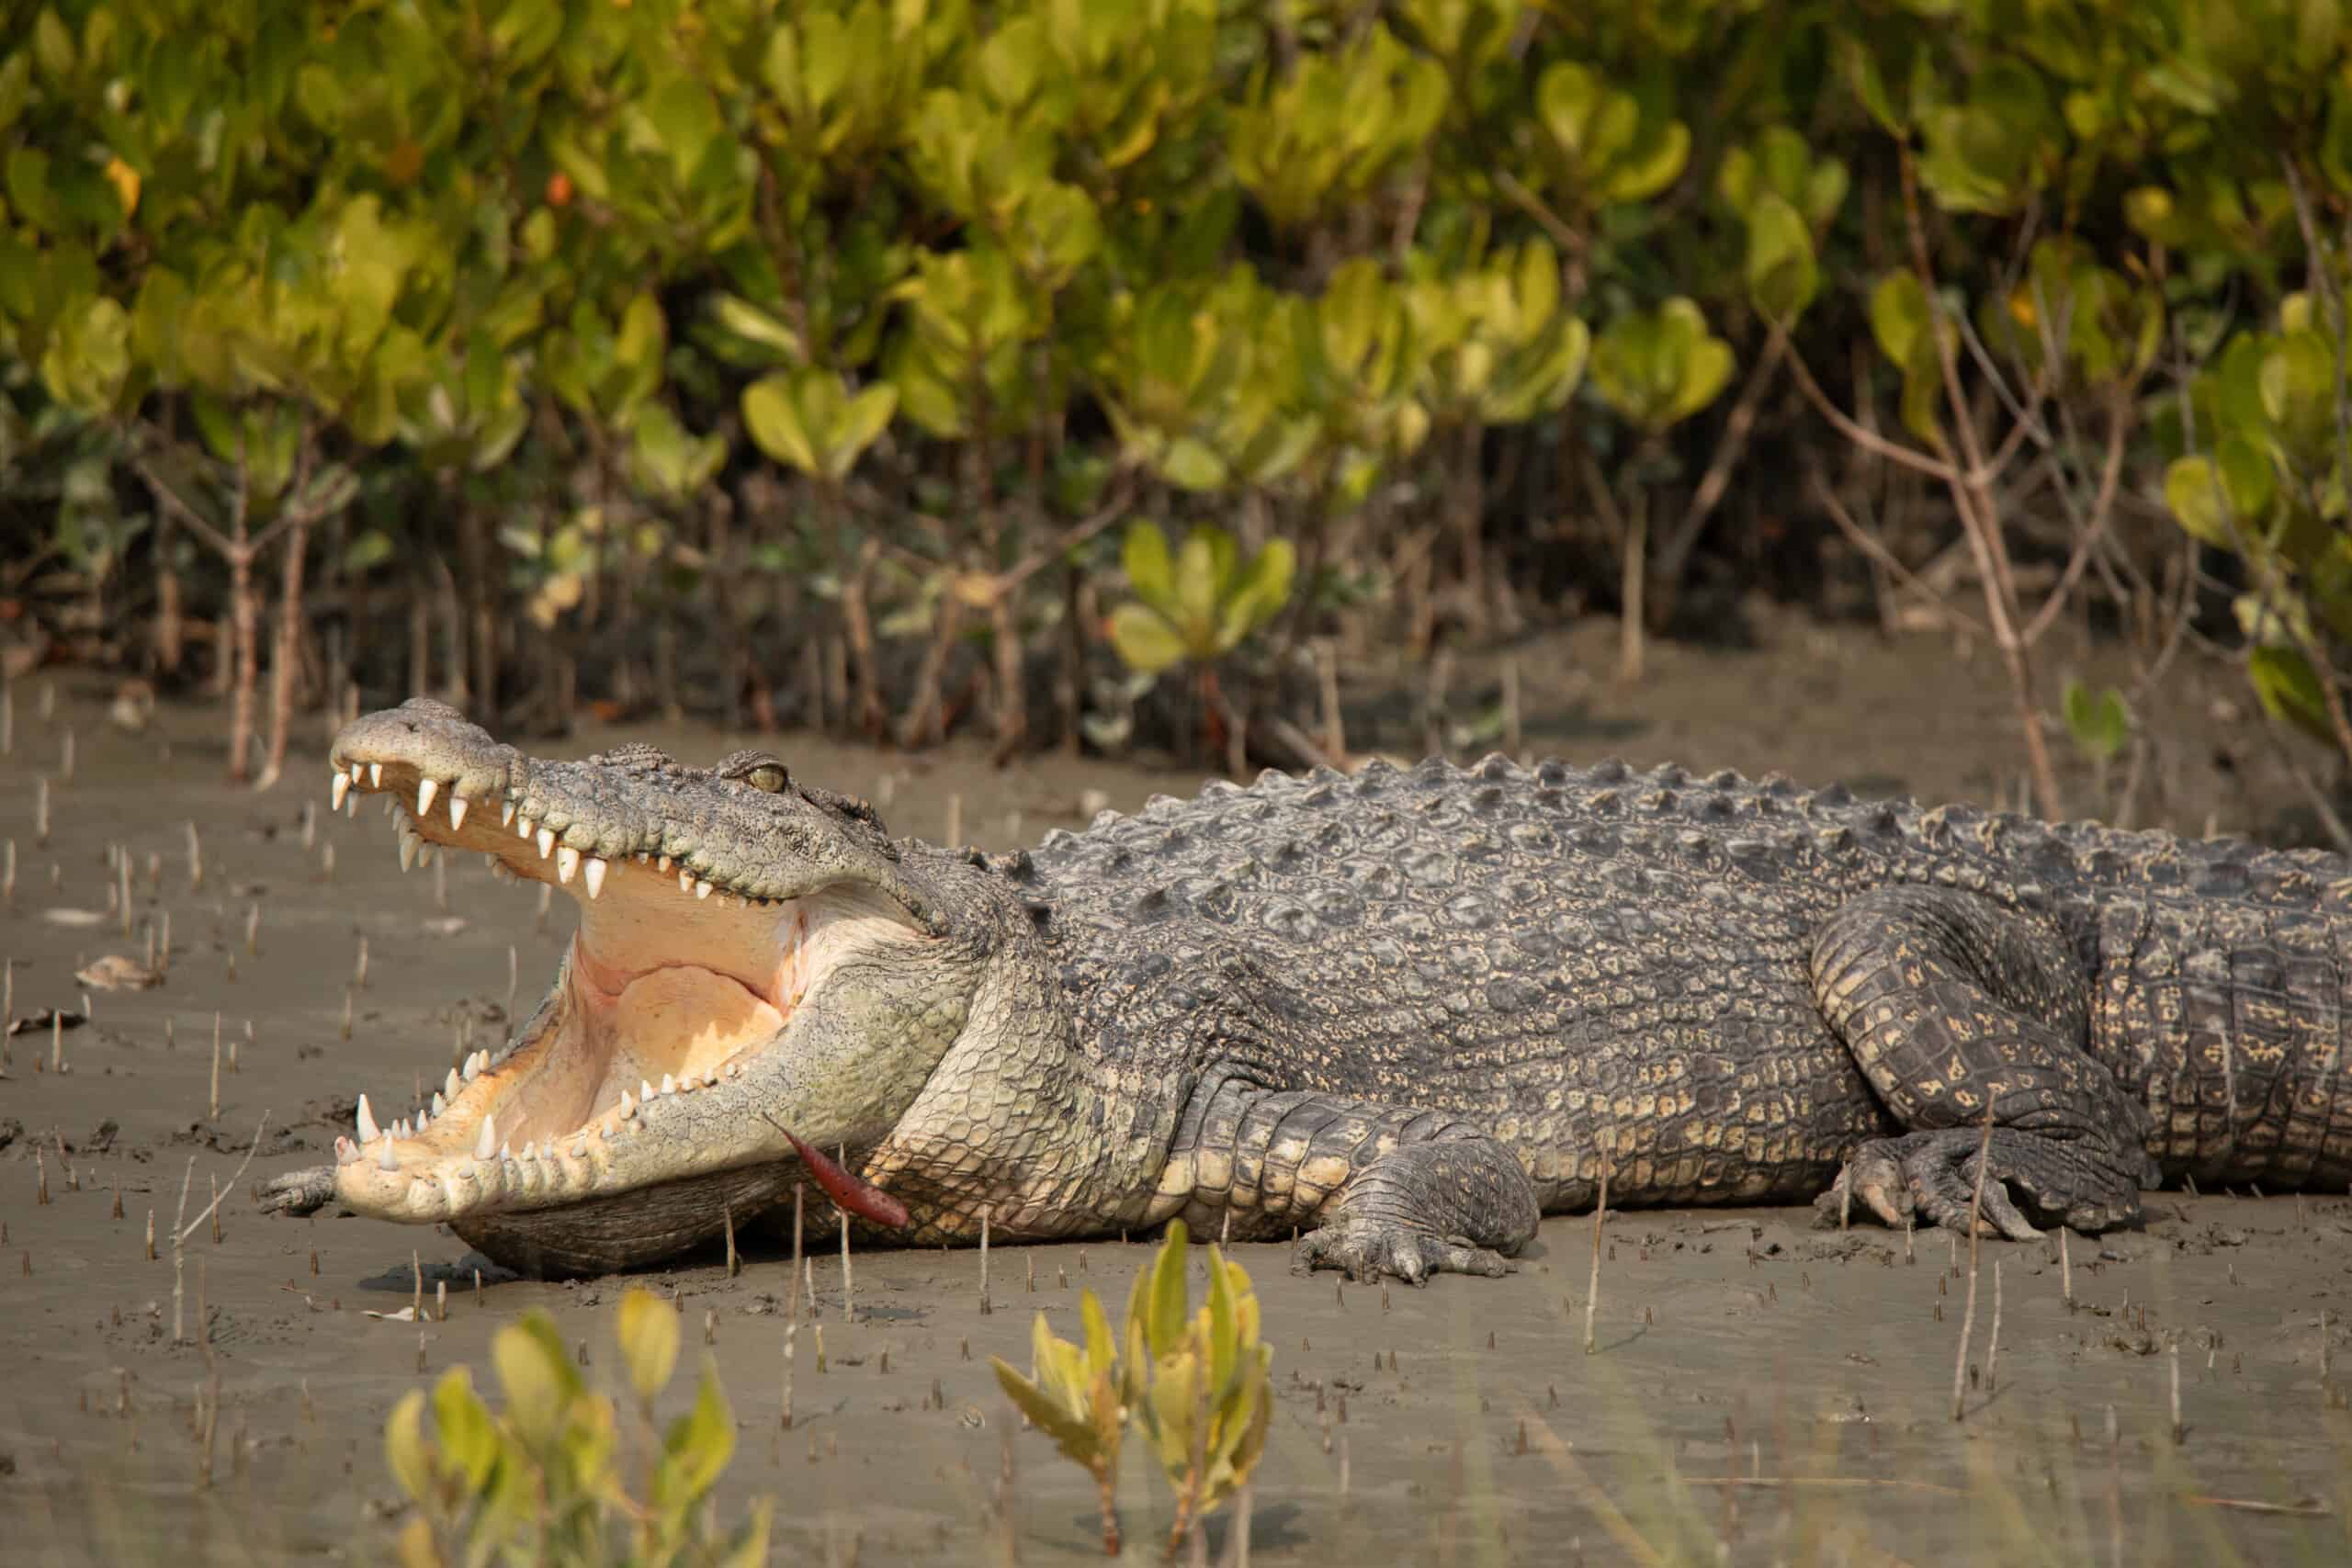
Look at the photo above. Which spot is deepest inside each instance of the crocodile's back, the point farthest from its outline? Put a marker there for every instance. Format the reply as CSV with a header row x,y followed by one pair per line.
x,y
1581,955
1552,951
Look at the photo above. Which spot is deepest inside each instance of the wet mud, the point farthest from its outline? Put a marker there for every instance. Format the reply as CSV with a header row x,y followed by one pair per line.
x,y
1753,1382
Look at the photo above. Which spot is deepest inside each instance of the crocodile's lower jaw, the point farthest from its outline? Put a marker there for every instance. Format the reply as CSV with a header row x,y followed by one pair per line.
x,y
636,1075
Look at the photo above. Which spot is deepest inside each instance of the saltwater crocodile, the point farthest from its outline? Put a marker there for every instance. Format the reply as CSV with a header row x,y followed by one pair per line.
x,y
1399,1013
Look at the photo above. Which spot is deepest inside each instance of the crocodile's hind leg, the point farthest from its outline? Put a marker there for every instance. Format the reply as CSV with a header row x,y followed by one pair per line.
x,y
1955,1007
1382,1188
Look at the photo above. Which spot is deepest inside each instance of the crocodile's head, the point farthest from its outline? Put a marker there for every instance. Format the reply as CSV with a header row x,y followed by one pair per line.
x,y
757,977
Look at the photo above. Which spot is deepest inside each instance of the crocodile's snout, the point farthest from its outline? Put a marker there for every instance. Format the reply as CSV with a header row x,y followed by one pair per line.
x,y
715,906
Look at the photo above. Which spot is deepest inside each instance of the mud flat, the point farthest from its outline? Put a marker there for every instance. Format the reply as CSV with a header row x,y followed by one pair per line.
x,y
1783,1390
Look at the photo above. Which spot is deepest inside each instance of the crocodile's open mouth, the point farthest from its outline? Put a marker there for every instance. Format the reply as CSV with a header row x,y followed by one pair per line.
x,y
672,988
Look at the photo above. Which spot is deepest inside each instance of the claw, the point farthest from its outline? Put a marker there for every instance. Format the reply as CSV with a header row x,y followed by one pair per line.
x,y
1370,1250
1934,1176
297,1192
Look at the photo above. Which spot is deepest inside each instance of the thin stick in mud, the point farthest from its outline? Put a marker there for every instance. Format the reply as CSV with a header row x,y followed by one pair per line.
x,y
1593,1288
183,1227
2172,1350
1993,1345
1968,1314
791,1358
848,1310
792,1288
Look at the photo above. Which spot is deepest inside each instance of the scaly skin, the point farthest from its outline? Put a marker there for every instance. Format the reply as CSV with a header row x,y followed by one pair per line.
x,y
1402,1013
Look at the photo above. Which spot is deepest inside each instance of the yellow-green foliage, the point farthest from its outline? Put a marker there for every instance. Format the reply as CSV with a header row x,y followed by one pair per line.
x,y
1197,1382
1199,604
1257,256
2268,482
544,1482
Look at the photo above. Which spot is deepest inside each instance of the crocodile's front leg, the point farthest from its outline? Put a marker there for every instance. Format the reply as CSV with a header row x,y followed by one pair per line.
x,y
1390,1189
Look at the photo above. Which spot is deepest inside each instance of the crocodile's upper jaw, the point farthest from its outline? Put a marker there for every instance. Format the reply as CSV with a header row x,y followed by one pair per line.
x,y
657,1058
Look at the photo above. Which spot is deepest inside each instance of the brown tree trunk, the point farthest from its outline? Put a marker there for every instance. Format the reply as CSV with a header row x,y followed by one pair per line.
x,y
481,638
867,718
170,633
730,653
1012,695
420,641
926,721
243,652
285,662
1069,688
1469,505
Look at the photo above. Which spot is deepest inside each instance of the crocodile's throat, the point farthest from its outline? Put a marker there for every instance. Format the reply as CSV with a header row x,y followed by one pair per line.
x,y
672,991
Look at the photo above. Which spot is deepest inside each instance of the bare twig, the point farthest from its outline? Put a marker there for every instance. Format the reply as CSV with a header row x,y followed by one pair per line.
x,y
1968,1315
1592,1287
1869,441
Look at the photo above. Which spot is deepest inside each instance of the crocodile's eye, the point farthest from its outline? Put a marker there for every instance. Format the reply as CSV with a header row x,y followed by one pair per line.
x,y
757,768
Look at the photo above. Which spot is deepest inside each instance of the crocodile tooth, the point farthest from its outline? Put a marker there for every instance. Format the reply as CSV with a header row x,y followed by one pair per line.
x,y
530,1151
486,1141
385,1161
661,863
547,842
375,775
367,1122
449,1085
507,1151
644,1092
457,810
701,889
427,788
337,789
505,813
686,880
567,863
409,844
710,1077
351,806
668,1084
629,1106
439,1103
734,1071
400,1130
579,1148
595,868
346,1151
521,827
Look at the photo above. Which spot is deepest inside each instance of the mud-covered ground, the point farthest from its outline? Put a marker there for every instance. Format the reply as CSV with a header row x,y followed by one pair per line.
x,y
1785,1390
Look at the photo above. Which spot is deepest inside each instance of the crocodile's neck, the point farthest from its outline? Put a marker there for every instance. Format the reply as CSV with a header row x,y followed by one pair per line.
x,y
1033,1115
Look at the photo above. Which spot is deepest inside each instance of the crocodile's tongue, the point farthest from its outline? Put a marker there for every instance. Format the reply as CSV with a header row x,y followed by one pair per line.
x,y
850,1192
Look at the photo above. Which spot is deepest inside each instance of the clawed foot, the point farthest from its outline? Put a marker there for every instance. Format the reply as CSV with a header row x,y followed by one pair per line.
x,y
1932,1177
297,1192
1369,1249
